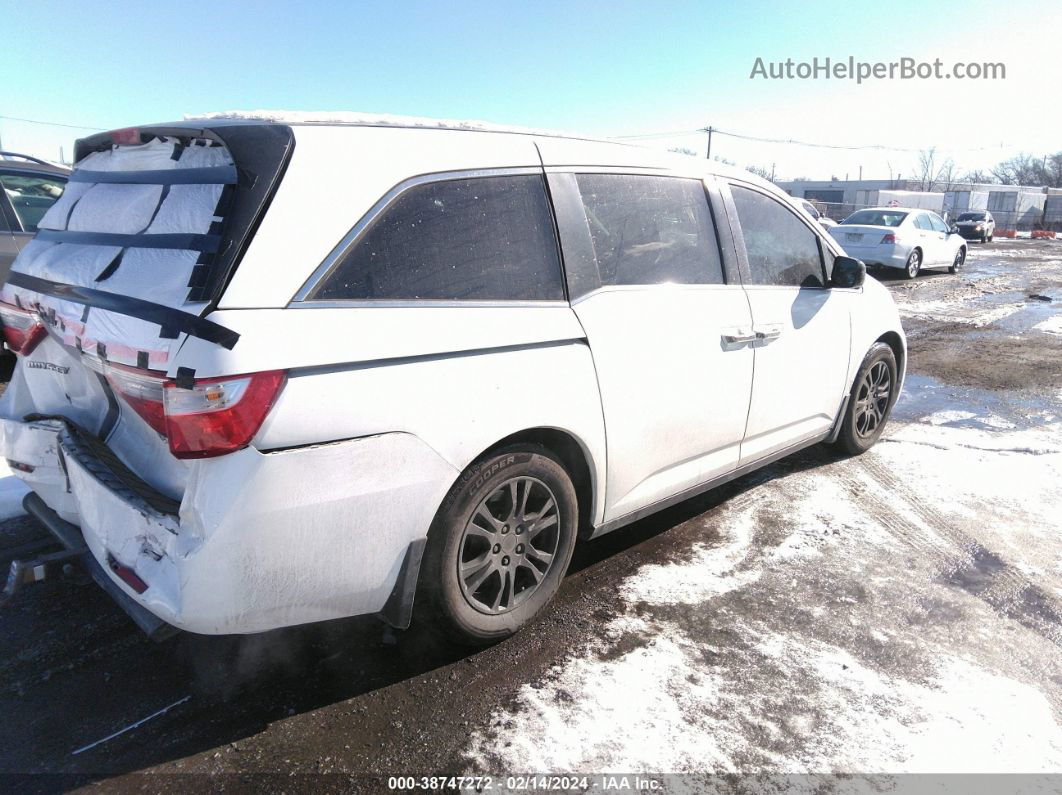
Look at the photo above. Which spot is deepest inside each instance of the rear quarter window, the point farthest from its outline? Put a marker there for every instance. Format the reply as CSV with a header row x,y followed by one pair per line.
x,y
486,238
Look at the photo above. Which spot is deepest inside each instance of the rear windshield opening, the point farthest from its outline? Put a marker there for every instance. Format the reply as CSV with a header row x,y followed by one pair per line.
x,y
875,218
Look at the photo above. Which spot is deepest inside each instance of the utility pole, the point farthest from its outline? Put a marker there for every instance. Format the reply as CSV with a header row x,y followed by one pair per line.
x,y
709,131
772,172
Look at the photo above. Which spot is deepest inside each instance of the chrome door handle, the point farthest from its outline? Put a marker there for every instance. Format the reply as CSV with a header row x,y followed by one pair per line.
x,y
767,336
734,339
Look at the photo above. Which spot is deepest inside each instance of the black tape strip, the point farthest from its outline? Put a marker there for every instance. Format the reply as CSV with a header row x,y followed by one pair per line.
x,y
142,360
200,290
180,241
101,350
84,315
185,378
207,175
173,321
178,150
200,275
108,272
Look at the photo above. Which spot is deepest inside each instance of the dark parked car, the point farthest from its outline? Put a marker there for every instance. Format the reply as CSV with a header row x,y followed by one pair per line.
x,y
976,225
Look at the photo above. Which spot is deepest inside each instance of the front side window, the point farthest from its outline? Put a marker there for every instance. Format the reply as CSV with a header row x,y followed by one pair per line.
x,y
488,238
650,230
31,195
781,249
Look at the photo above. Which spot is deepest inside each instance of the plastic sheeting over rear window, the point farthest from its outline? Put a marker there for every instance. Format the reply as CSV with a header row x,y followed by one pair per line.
x,y
159,275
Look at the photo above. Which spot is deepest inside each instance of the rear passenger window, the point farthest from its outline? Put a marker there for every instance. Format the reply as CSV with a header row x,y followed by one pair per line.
x,y
922,222
650,230
489,238
780,247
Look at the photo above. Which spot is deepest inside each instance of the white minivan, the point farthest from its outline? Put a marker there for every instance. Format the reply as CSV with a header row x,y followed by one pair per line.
x,y
273,372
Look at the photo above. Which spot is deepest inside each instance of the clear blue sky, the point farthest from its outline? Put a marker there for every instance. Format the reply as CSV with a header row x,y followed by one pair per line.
x,y
605,68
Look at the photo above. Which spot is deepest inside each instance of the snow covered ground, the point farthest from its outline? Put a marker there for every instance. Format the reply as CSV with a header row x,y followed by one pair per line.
x,y
720,662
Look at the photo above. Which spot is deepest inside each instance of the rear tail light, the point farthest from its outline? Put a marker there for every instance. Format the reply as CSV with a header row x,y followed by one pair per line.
x,y
219,415
143,393
889,238
212,417
23,331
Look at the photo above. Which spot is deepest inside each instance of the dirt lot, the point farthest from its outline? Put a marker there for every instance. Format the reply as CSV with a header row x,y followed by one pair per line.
x,y
900,612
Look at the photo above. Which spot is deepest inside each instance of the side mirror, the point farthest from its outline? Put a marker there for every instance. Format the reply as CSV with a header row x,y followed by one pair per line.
x,y
848,272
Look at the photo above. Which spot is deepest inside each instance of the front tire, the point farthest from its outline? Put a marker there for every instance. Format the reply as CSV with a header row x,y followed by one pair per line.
x,y
499,546
960,258
870,401
914,264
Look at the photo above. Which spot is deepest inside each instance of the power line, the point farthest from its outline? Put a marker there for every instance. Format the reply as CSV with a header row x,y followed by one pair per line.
x,y
792,141
53,123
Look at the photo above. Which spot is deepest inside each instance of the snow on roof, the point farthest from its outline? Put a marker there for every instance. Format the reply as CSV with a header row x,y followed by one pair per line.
x,y
353,118
375,120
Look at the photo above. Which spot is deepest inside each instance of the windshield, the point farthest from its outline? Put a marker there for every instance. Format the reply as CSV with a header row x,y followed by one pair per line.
x,y
972,217
876,218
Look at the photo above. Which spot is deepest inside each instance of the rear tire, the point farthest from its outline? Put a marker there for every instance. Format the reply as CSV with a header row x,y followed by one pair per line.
x,y
499,546
870,401
914,264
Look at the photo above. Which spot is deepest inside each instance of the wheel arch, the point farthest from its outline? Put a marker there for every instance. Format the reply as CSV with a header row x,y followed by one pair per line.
x,y
573,454
899,350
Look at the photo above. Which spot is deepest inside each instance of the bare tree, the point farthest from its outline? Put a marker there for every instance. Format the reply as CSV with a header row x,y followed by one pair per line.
x,y
927,163
682,150
947,175
760,171
933,174
1026,169
1053,167
978,177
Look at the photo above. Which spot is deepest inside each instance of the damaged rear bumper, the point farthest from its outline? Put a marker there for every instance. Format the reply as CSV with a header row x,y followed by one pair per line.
x,y
259,540
70,537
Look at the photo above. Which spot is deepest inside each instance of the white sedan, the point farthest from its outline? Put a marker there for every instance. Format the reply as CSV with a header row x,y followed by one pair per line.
x,y
901,237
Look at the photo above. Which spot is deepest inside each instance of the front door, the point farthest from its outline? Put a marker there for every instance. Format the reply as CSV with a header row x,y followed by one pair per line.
x,y
668,326
801,325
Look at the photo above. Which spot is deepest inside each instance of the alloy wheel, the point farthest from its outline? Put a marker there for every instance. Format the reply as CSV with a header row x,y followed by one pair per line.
x,y
914,264
508,546
872,399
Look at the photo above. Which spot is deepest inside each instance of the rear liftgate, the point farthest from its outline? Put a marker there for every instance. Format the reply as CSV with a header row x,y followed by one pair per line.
x,y
236,169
